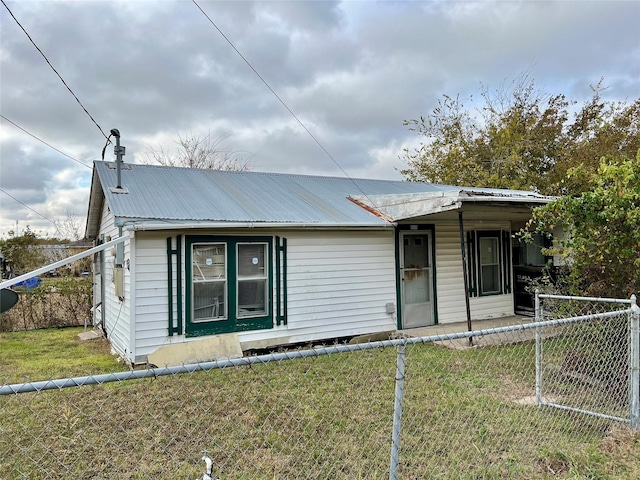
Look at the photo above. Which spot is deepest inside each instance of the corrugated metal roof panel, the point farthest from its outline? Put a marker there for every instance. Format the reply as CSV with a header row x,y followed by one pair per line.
x,y
191,195
404,206
179,194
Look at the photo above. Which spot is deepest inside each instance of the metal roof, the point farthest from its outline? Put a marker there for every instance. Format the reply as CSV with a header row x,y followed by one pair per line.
x,y
411,205
169,195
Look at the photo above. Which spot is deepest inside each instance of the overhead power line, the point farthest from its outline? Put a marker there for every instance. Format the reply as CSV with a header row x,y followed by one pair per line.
x,y
27,206
280,100
53,68
42,141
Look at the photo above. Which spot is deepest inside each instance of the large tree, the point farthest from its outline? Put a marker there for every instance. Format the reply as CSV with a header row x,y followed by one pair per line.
x,y
601,240
521,138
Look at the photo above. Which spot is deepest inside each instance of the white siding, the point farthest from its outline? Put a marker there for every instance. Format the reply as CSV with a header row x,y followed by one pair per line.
x,y
116,313
450,276
152,304
338,285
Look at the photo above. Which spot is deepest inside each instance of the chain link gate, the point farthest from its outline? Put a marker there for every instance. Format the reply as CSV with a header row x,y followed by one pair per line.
x,y
588,362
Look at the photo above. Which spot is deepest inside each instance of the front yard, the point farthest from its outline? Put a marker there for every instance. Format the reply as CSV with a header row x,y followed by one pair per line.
x,y
52,353
316,418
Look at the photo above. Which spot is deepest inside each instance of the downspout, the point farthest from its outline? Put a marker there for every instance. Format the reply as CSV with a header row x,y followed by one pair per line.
x,y
464,274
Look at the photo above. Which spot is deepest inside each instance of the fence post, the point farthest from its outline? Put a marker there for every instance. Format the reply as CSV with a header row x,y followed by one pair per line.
x,y
538,318
634,366
397,412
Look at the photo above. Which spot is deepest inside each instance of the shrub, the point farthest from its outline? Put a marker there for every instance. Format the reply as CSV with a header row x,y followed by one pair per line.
x,y
58,302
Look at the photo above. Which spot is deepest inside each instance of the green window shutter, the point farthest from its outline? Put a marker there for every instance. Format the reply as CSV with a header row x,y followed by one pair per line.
x,y
170,285
547,240
281,281
177,252
472,263
506,261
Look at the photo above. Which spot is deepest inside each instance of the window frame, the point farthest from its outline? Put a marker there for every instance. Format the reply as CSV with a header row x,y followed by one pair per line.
x,y
539,242
265,277
493,235
474,262
224,280
233,322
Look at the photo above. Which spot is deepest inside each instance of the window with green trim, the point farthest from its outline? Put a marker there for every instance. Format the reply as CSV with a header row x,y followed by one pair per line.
x,y
489,265
229,284
489,262
252,279
209,277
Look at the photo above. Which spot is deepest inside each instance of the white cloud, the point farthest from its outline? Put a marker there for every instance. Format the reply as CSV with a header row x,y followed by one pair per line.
x,y
351,71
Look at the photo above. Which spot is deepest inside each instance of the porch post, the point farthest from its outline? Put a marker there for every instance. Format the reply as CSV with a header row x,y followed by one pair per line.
x,y
464,274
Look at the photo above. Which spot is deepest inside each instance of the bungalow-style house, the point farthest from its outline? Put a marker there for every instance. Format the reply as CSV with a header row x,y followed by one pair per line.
x,y
215,263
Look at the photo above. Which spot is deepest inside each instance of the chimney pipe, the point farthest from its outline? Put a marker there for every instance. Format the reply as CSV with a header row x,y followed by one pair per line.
x,y
119,152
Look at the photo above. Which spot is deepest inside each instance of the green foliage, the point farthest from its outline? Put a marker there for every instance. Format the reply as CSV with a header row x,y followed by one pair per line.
x,y
20,251
602,228
27,252
521,138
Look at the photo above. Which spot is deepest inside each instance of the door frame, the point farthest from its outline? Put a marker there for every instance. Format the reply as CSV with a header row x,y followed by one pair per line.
x,y
418,229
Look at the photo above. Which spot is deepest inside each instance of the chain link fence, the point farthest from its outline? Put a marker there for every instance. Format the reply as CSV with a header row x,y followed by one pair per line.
x,y
584,361
461,405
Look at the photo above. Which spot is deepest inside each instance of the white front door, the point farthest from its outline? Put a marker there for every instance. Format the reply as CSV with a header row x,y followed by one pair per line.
x,y
416,277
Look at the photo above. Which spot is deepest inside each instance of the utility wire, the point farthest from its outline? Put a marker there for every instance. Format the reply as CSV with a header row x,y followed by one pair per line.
x,y
27,206
42,141
53,68
280,100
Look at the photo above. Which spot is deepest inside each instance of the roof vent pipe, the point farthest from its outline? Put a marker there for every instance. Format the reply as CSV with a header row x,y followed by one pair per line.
x,y
119,152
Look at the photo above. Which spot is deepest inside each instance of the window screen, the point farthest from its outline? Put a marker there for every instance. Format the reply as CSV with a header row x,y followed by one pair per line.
x,y
209,272
252,279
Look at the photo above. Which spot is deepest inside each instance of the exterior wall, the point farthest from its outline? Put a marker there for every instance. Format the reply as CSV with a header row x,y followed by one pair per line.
x,y
338,285
116,314
152,310
450,277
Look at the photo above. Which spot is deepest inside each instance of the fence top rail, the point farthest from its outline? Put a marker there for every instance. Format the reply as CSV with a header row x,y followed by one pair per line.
x,y
625,301
26,387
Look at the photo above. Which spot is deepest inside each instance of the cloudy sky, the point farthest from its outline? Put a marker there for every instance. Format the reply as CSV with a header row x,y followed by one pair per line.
x,y
351,72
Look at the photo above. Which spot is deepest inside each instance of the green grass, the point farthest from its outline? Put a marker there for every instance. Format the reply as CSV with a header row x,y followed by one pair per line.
x,y
317,418
52,353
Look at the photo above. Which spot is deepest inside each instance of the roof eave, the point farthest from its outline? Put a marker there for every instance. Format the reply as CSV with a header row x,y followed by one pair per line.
x,y
96,203
392,209
155,225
